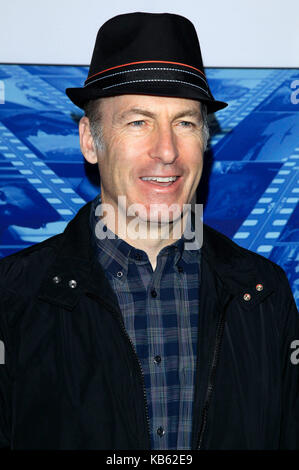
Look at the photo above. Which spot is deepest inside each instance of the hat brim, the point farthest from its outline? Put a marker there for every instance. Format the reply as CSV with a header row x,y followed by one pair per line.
x,y
80,96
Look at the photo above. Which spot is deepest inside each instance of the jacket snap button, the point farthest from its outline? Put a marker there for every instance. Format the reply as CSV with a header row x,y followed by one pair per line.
x,y
73,283
119,274
56,279
259,287
246,297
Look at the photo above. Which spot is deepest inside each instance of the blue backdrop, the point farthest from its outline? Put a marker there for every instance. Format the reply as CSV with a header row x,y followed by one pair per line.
x,y
250,185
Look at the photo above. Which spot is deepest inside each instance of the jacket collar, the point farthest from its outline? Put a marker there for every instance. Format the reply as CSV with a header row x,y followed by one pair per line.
x,y
75,270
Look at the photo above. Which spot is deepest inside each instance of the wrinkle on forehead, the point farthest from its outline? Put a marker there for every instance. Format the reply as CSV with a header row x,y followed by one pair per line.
x,y
153,115
121,107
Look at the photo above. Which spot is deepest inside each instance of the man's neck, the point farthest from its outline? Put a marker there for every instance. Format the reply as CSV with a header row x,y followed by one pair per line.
x,y
149,237
152,247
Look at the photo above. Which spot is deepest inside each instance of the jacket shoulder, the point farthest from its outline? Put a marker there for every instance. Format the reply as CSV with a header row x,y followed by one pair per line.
x,y
223,247
28,263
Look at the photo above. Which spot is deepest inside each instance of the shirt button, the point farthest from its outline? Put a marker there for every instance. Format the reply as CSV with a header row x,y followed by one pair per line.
x,y
160,431
56,279
259,287
157,359
154,293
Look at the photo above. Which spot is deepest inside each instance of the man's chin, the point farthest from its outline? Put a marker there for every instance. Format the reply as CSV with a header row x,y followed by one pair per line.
x,y
161,219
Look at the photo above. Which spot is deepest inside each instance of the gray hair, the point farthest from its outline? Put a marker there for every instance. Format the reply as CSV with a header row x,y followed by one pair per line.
x,y
92,111
94,115
205,126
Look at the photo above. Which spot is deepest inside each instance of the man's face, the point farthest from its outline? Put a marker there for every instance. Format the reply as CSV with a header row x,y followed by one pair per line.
x,y
150,136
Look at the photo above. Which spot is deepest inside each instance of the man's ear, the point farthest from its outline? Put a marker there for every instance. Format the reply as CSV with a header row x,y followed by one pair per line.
x,y
86,141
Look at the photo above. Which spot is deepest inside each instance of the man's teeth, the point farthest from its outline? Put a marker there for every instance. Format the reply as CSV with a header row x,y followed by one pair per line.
x,y
159,179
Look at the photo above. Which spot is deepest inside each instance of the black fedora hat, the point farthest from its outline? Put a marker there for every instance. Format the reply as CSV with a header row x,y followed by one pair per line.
x,y
146,53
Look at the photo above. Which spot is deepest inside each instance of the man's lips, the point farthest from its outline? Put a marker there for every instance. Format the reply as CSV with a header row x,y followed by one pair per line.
x,y
160,186
159,176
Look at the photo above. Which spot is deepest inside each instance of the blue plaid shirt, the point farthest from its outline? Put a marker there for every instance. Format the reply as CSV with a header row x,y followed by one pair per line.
x,y
160,312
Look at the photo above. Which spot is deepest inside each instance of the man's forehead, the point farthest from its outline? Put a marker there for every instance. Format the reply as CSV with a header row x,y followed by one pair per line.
x,y
124,104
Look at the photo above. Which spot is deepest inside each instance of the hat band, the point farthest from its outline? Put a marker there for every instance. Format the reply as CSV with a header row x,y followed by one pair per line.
x,y
146,62
149,74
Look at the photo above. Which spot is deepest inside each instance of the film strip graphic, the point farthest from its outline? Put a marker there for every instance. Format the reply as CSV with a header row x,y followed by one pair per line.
x,y
55,99
233,114
267,220
56,191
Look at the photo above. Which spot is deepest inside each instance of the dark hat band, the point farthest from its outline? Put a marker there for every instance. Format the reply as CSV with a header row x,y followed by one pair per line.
x,y
145,72
145,62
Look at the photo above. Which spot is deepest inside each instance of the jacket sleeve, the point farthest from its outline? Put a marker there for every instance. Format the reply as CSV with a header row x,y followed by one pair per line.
x,y
289,431
5,378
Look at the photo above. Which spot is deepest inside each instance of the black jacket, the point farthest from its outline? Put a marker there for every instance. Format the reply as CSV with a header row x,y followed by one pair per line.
x,y
72,380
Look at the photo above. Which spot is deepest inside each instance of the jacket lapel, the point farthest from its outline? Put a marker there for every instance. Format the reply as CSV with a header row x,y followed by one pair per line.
x,y
213,297
75,261
227,275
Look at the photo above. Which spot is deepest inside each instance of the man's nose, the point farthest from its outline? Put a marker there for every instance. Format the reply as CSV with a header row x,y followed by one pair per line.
x,y
163,145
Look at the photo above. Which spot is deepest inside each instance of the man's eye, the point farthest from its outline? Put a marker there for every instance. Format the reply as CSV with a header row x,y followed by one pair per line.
x,y
136,123
186,124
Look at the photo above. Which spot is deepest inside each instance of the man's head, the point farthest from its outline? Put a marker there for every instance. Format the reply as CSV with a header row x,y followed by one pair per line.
x,y
146,101
133,137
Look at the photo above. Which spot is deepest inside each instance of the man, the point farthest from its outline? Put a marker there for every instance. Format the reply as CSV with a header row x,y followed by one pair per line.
x,y
118,341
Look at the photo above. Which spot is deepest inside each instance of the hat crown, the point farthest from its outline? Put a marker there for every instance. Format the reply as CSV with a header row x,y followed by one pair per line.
x,y
137,37
146,53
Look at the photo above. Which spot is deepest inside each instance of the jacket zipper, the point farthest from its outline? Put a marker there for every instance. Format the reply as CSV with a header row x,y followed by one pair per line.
x,y
142,381
141,375
211,384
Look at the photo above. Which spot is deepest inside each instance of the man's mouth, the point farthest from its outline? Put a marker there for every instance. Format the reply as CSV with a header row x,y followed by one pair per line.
x,y
160,180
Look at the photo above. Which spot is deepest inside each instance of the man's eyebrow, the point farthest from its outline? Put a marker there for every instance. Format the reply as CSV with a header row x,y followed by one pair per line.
x,y
130,111
144,112
190,113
